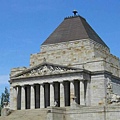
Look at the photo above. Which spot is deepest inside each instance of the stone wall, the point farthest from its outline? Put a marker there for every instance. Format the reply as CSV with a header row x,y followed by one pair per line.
x,y
68,53
81,53
98,90
84,53
55,113
85,113
37,114
113,113
68,113
93,113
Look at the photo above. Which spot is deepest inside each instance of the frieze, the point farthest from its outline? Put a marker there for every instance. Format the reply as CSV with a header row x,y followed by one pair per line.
x,y
45,69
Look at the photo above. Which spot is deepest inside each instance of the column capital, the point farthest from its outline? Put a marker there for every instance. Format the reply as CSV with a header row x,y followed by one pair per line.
x,y
32,84
51,82
23,86
82,81
40,83
16,86
61,81
72,81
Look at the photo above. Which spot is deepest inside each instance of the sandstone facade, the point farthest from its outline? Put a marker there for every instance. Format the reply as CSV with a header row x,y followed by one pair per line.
x,y
73,77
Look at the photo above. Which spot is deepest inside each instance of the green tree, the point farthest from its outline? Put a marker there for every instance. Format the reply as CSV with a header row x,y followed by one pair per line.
x,y
4,98
0,110
6,95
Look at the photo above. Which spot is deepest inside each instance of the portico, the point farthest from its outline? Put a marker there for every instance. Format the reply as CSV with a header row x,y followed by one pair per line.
x,y
51,89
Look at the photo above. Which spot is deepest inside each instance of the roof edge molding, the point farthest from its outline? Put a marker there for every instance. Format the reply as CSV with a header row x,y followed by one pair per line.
x,y
45,69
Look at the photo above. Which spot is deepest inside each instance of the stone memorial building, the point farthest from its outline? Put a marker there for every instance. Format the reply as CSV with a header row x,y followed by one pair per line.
x,y
73,77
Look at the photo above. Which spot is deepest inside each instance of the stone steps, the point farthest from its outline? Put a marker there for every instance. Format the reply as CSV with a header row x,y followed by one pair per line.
x,y
36,114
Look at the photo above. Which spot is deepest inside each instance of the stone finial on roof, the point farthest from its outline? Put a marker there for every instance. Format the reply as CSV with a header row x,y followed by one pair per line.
x,y
75,12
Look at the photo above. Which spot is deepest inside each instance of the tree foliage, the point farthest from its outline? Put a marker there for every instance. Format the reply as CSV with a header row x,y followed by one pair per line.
x,y
4,98
0,110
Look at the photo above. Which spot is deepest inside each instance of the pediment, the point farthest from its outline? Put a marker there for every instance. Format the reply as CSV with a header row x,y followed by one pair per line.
x,y
45,69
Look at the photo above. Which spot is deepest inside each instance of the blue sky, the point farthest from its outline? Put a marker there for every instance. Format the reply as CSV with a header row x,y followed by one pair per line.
x,y
25,24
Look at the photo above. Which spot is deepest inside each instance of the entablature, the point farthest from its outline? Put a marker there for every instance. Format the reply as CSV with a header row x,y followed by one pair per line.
x,y
49,72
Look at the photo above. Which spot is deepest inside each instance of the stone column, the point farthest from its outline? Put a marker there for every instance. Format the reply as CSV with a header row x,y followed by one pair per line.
x,y
15,90
88,96
51,94
62,95
82,101
42,96
72,91
32,101
11,98
22,97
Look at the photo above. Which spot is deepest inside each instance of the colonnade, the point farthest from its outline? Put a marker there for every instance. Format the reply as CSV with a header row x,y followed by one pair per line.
x,y
49,94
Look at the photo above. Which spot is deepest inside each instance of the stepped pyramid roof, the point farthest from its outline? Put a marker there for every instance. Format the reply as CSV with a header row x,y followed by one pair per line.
x,y
73,28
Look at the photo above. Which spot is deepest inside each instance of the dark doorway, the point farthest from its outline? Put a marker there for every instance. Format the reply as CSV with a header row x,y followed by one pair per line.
x,y
19,98
37,96
85,90
47,94
77,91
27,97
57,93
67,93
